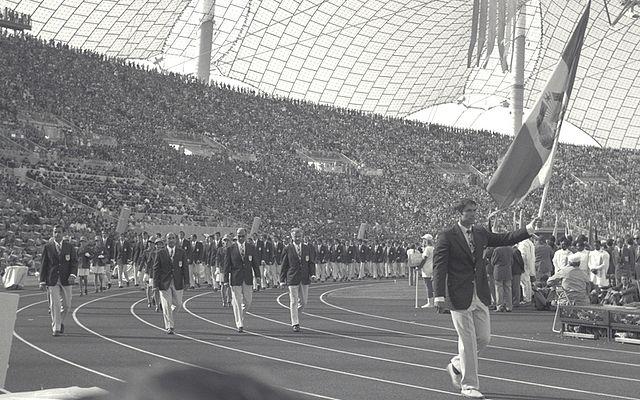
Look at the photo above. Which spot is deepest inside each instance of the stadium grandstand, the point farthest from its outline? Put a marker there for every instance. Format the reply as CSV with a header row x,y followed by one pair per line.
x,y
204,116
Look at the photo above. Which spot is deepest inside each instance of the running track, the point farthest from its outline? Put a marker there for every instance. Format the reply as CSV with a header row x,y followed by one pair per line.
x,y
361,340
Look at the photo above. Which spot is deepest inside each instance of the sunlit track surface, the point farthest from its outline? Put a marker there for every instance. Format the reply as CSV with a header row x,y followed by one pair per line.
x,y
357,343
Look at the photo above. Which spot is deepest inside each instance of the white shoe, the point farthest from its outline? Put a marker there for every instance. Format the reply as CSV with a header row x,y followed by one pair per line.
x,y
472,393
428,305
455,377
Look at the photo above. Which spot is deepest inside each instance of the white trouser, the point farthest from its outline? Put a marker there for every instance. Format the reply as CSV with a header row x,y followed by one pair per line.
x,y
298,295
474,332
241,297
171,300
361,270
527,291
378,270
59,297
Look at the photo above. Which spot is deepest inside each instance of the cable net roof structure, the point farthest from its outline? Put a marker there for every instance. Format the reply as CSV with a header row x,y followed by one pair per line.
x,y
134,29
393,57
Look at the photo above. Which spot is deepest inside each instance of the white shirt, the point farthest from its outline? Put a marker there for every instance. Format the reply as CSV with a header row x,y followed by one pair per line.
x,y
172,251
584,261
427,267
561,259
468,234
599,260
528,251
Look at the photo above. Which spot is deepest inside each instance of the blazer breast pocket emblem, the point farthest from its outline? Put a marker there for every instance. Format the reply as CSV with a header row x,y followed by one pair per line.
x,y
180,264
250,258
306,258
67,257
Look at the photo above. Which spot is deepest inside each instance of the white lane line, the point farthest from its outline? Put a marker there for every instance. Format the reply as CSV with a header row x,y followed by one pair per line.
x,y
518,364
339,372
392,360
598,360
5,391
492,335
64,360
150,353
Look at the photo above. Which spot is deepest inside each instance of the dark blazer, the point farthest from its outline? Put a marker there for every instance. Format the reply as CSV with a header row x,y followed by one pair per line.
x,y
455,269
279,249
83,260
185,245
259,249
268,255
195,252
544,260
138,250
238,270
219,258
206,252
165,270
100,254
517,265
379,253
122,252
58,266
340,257
390,253
108,246
351,254
296,269
323,254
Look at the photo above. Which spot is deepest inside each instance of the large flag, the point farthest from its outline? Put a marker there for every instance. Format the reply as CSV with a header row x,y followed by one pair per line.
x,y
528,162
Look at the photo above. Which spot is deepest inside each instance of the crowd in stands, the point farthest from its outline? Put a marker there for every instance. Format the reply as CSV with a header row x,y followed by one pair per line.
x,y
104,96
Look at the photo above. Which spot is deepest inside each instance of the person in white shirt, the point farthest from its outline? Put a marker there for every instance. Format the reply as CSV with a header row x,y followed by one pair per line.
x,y
528,252
584,257
427,268
561,256
599,264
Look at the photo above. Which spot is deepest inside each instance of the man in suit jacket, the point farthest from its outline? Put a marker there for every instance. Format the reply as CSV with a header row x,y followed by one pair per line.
x,y
195,258
378,260
138,251
170,277
544,259
267,259
502,261
298,268
322,258
122,256
219,266
623,258
240,267
278,248
459,274
107,241
57,275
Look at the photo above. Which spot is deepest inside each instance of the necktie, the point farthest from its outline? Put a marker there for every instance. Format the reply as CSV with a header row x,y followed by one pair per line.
x,y
472,245
171,254
298,249
242,252
58,247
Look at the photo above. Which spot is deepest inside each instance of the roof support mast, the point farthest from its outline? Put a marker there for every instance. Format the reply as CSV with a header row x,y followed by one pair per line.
x,y
517,93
